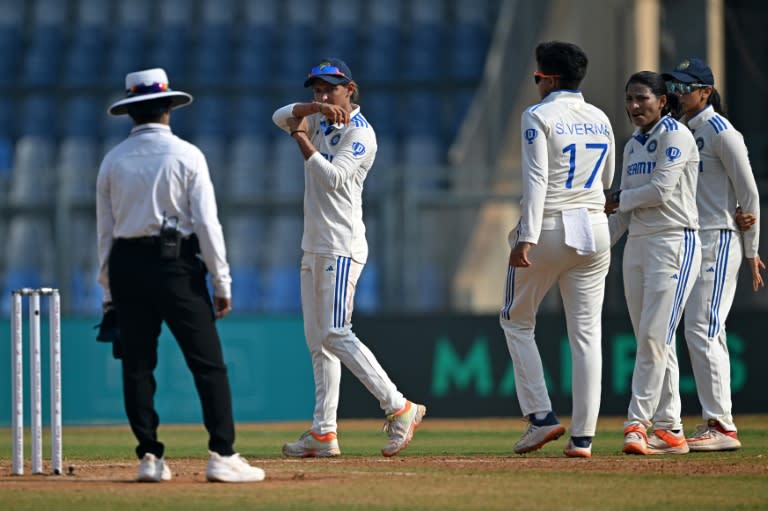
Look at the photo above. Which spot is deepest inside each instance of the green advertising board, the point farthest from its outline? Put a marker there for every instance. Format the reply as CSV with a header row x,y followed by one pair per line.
x,y
457,365
460,365
268,363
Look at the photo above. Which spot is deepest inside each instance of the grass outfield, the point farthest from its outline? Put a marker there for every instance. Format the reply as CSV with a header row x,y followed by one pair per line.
x,y
451,465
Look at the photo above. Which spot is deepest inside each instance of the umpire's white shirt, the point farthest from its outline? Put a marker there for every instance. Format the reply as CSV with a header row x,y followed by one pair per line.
x,y
151,172
333,183
726,180
658,182
568,156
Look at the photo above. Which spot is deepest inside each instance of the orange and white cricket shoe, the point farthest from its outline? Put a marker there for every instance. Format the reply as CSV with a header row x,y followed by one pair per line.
x,y
665,441
713,437
400,427
313,445
574,451
635,439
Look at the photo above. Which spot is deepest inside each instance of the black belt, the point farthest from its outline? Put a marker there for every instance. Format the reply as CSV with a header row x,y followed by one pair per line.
x,y
189,245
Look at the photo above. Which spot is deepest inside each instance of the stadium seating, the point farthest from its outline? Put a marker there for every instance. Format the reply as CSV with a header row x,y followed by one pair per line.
x,y
245,236
33,177
29,256
248,168
282,291
214,147
417,64
77,168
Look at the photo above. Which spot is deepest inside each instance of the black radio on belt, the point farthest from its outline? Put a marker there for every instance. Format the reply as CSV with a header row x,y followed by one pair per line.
x,y
170,238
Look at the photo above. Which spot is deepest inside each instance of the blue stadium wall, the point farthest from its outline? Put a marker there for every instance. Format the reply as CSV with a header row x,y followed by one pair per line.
x,y
457,365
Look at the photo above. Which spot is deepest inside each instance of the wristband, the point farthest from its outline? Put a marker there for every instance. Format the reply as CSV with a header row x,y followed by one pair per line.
x,y
615,196
298,131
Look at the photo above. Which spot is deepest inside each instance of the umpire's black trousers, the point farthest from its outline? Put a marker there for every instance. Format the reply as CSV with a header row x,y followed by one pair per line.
x,y
147,291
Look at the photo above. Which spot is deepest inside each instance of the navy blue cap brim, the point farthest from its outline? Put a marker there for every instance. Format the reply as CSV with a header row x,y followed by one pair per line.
x,y
332,79
681,77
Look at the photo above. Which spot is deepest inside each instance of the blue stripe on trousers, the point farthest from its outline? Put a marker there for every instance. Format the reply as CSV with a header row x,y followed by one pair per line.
x,y
340,293
509,292
682,282
721,267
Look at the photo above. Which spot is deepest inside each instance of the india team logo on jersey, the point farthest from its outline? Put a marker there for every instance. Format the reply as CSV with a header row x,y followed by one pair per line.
x,y
700,143
358,149
652,146
673,153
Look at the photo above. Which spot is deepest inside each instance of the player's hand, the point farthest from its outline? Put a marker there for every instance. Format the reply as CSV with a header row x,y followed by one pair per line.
x,y
334,113
744,221
611,204
518,256
297,123
223,306
756,266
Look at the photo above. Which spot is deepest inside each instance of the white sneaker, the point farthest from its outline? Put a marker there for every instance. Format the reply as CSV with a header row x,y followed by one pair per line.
x,y
574,451
536,436
231,469
713,437
312,445
664,441
635,439
400,427
153,469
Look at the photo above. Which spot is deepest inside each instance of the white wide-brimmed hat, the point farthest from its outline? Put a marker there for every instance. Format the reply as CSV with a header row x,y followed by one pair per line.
x,y
146,85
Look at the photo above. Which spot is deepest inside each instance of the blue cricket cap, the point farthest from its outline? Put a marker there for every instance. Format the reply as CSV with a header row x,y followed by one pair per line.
x,y
691,70
333,71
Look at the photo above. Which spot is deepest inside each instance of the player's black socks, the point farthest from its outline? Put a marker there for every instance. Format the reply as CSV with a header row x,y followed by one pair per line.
x,y
549,420
581,441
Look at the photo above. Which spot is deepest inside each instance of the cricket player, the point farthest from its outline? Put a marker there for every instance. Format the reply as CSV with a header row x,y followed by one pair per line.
x,y
562,237
657,206
725,183
339,146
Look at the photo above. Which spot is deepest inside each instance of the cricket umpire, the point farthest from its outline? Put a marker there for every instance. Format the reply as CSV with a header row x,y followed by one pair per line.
x,y
158,235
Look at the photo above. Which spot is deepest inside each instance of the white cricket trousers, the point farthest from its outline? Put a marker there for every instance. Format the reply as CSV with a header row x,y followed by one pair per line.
x,y
705,315
327,297
659,273
582,288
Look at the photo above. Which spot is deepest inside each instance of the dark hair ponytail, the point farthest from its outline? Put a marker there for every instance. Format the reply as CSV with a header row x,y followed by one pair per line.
x,y
717,103
673,107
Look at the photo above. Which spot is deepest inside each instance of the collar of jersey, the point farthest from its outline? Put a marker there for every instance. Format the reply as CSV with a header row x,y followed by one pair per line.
x,y
563,94
150,126
643,137
328,128
700,118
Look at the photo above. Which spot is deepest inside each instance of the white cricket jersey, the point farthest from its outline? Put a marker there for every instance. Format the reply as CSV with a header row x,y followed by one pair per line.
x,y
333,183
151,172
658,183
568,159
725,178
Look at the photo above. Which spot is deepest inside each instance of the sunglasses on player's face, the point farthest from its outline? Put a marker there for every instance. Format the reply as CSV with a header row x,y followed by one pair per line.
x,y
538,75
684,88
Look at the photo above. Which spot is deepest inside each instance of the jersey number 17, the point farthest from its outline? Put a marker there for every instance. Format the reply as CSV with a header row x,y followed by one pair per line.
x,y
603,148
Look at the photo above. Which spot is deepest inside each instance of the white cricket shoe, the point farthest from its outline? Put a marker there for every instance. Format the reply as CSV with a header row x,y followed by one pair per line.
x,y
536,436
400,427
713,437
153,469
574,451
635,439
665,441
313,445
231,469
